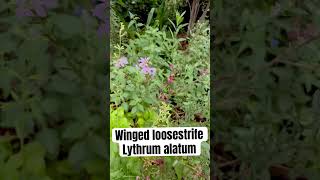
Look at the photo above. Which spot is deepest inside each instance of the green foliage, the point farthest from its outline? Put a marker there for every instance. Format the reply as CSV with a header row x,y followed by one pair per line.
x,y
28,163
155,44
162,9
193,74
51,103
142,100
132,90
266,63
178,26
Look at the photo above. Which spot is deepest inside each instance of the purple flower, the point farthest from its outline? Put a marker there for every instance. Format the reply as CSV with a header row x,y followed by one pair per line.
x,y
144,67
152,71
143,62
121,62
145,70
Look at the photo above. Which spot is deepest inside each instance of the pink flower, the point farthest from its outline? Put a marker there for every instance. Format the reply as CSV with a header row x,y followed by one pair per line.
x,y
122,62
171,79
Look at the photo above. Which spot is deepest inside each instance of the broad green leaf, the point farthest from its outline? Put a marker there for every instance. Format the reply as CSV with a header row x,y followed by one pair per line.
x,y
49,138
68,25
34,162
74,130
78,154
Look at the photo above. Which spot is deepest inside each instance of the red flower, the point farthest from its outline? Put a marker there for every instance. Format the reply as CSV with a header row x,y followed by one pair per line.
x,y
171,78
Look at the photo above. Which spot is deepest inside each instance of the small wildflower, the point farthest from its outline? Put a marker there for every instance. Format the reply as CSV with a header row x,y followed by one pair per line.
x,y
152,71
143,62
145,70
122,62
144,67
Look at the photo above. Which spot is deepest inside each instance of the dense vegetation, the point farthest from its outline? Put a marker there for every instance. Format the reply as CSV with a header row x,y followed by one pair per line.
x,y
52,90
159,78
53,74
266,62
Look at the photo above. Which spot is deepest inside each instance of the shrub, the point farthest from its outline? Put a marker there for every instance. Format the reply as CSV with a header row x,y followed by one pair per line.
x,y
266,73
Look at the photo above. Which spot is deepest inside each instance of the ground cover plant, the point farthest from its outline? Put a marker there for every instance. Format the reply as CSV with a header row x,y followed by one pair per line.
x,y
159,77
266,61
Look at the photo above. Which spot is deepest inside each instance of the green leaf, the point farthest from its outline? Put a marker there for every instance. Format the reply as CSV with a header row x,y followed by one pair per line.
x,y
78,154
34,159
125,106
134,165
98,146
96,166
150,15
7,43
33,49
24,125
140,108
5,151
5,82
134,110
68,25
178,167
316,102
62,85
74,130
50,105
49,138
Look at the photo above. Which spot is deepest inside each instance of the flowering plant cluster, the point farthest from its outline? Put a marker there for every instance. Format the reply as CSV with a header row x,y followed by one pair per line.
x,y
170,83
122,62
145,68
143,65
